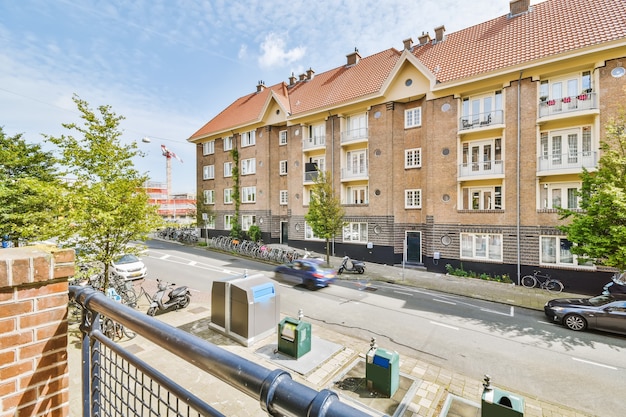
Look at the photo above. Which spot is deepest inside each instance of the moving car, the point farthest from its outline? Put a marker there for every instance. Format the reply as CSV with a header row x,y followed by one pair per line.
x,y
606,312
129,267
617,285
310,272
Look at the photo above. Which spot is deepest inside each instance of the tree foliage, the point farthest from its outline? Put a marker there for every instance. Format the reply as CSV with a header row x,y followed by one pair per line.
x,y
325,215
599,229
105,205
29,189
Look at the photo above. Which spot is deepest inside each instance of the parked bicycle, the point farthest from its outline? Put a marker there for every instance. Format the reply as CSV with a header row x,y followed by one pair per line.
x,y
545,281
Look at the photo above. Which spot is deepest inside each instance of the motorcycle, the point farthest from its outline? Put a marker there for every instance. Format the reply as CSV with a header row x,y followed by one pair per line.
x,y
351,265
177,298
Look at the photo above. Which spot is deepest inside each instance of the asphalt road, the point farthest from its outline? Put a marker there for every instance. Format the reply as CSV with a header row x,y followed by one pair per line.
x,y
515,346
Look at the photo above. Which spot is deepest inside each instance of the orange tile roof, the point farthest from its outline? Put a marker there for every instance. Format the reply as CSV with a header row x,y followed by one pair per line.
x,y
549,28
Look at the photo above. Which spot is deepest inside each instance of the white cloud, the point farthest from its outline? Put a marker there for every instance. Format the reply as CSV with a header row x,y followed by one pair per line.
x,y
243,51
273,53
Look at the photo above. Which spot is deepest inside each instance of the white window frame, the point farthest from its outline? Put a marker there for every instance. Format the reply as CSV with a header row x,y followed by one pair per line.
x,y
247,220
228,196
481,246
413,117
565,148
353,192
308,233
228,225
248,138
413,198
284,197
358,229
282,138
228,169
356,162
552,195
549,255
494,202
208,172
248,195
208,148
209,223
248,166
209,196
356,126
568,85
413,158
228,143
477,109
282,168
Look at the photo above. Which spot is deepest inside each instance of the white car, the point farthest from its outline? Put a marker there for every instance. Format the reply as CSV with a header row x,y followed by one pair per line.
x,y
129,267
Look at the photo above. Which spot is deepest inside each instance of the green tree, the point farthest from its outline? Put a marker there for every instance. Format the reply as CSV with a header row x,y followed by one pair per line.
x,y
325,215
201,209
106,206
235,230
29,190
599,229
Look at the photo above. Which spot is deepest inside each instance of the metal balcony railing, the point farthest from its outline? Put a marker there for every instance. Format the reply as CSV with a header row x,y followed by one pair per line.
x,y
354,135
485,168
568,161
116,382
580,102
313,142
310,176
486,119
354,174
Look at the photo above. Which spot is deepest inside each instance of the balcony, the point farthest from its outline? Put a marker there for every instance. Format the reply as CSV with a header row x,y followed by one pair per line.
x,y
557,106
310,177
481,169
315,142
481,120
355,135
352,175
567,162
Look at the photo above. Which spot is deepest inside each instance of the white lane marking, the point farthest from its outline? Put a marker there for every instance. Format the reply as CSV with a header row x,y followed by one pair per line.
x,y
402,292
164,257
444,325
444,301
510,314
192,263
595,363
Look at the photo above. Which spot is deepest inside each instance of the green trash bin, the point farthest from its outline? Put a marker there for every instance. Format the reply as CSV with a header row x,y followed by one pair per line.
x,y
294,337
382,371
500,403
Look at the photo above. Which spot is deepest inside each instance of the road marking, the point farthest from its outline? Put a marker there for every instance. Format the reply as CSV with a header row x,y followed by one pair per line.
x,y
444,325
192,263
595,363
164,257
444,301
510,314
405,293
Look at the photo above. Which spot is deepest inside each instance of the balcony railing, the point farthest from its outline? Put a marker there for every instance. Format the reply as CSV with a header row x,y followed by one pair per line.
x,y
314,142
310,176
485,168
117,382
579,102
568,161
355,135
352,174
480,120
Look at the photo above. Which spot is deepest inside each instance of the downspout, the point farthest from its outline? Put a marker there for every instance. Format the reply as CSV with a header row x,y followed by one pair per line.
x,y
519,153
332,160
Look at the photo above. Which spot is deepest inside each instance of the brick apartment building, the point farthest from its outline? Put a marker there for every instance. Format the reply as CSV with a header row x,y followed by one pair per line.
x,y
456,149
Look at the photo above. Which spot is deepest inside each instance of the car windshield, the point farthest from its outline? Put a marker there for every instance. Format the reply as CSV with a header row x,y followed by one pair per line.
x,y
601,300
127,259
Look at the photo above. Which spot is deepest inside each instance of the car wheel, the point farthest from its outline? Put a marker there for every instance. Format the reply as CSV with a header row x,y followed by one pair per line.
x,y
310,285
575,322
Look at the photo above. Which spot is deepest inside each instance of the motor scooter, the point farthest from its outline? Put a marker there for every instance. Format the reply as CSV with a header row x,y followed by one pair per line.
x,y
177,298
351,265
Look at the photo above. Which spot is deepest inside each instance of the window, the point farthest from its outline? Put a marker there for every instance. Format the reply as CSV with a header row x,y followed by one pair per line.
x,y
481,246
228,195
569,148
209,196
228,169
308,233
482,157
356,127
248,166
413,158
559,195
284,197
283,167
482,198
355,232
413,117
317,135
209,223
208,148
247,220
357,195
482,110
413,198
228,143
282,137
248,138
556,250
228,221
569,86
208,172
356,162
248,194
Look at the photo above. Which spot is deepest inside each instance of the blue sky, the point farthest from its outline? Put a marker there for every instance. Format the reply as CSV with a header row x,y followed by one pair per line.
x,y
169,67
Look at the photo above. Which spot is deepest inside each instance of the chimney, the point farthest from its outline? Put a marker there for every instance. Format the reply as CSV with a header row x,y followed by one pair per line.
x,y
519,6
424,39
309,74
408,44
292,80
353,58
302,77
260,86
439,31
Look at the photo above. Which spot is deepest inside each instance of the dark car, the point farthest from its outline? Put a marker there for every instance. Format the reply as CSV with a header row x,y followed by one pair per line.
x,y
310,272
617,285
606,312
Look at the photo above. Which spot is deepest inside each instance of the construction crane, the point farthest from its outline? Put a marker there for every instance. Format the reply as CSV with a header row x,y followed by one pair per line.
x,y
168,167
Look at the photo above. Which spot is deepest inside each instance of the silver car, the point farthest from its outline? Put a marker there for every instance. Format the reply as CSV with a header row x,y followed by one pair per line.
x,y
129,267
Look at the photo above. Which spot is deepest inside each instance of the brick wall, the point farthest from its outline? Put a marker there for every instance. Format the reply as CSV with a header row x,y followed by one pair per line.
x,y
34,378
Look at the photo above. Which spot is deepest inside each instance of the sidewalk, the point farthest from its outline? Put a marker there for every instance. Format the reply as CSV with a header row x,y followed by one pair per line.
x,y
425,389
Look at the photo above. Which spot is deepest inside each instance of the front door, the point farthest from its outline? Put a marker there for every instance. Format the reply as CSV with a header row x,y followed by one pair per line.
x,y
284,233
413,245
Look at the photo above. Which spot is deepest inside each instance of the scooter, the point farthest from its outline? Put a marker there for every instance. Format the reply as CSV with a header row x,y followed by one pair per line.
x,y
351,266
178,298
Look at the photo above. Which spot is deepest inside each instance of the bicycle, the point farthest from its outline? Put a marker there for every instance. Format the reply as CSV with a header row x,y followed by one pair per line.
x,y
545,282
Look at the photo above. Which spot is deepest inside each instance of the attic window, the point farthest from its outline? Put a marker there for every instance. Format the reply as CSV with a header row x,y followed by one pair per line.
x,y
408,82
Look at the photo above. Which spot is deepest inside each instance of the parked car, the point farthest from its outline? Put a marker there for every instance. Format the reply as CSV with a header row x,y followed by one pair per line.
x,y
617,284
606,312
129,267
310,272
